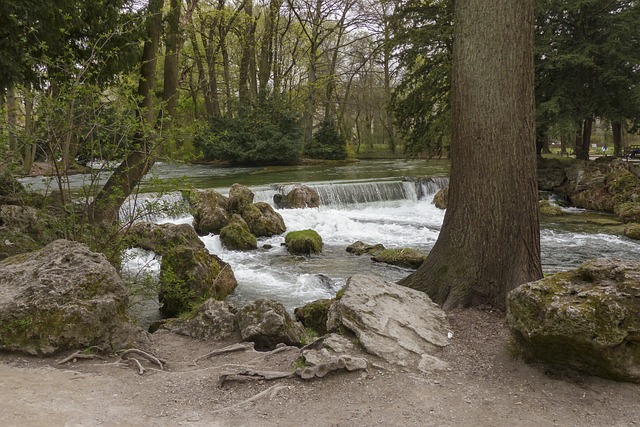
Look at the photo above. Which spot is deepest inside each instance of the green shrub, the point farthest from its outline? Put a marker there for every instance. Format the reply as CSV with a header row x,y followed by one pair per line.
x,y
328,143
267,134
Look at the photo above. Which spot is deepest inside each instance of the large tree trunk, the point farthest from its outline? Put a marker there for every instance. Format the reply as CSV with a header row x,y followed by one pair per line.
x,y
106,205
583,139
489,242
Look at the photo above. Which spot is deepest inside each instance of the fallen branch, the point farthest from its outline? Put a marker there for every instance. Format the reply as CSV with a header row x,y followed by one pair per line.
x,y
149,357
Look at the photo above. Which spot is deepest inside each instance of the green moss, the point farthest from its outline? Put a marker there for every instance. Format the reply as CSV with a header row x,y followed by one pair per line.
x,y
406,257
314,315
547,209
237,237
303,242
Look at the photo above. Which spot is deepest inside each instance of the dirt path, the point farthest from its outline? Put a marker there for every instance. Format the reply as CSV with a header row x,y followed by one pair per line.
x,y
484,386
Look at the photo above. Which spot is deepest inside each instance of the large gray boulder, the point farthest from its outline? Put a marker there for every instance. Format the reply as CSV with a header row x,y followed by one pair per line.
x,y
23,229
267,323
62,297
299,197
400,325
585,319
236,236
213,320
161,238
189,276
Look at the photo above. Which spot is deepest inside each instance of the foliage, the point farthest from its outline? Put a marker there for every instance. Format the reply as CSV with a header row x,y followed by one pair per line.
x,y
587,58
267,134
423,43
328,143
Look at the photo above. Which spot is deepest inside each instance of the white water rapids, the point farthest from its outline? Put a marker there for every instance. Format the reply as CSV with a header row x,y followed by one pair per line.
x,y
398,214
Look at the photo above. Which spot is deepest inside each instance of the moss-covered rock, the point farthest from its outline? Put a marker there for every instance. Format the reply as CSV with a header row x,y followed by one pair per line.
x,y
190,276
632,231
547,209
405,257
628,212
161,238
236,236
209,209
314,315
585,319
62,297
263,220
361,248
240,196
441,198
303,242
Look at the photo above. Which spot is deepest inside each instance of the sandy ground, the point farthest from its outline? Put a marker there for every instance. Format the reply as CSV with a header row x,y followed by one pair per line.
x,y
484,386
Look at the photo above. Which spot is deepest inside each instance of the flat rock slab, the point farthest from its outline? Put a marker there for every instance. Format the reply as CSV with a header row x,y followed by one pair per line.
x,y
400,325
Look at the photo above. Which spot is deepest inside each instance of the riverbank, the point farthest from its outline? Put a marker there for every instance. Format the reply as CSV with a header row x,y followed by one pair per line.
x,y
484,386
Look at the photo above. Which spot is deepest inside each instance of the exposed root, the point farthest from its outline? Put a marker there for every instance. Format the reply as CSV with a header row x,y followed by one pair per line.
x,y
136,364
243,346
245,373
150,357
269,394
78,355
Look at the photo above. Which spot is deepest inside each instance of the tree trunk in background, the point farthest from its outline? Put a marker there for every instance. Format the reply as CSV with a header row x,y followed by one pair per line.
x,y
616,128
171,69
565,139
247,86
489,242
106,205
12,122
266,47
583,139
29,146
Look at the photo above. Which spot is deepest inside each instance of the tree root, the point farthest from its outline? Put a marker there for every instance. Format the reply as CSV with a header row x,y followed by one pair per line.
x,y
243,346
269,393
150,357
78,355
245,373
136,364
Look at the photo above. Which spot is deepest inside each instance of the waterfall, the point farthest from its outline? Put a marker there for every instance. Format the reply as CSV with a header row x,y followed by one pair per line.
x,y
342,193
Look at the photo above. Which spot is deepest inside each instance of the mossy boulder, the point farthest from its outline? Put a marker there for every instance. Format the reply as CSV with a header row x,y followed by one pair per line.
x,y
551,174
240,196
405,257
190,276
585,319
209,209
161,238
263,220
314,315
628,212
441,198
62,297
361,248
299,197
623,184
236,236
632,231
11,191
267,323
547,209
303,242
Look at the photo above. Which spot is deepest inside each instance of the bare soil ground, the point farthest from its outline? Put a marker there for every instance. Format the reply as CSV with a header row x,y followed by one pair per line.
x,y
484,386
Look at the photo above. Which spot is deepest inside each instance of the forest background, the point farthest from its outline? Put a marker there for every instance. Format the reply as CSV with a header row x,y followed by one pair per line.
x,y
272,81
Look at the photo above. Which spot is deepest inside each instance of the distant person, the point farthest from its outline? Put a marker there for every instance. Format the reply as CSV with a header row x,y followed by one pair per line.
x,y
635,153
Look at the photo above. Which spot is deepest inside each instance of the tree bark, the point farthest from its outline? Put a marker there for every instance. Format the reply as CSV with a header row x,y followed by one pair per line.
x,y
489,242
12,121
105,207
616,128
171,69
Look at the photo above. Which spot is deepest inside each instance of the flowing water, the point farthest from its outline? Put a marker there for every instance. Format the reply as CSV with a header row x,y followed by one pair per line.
x,y
369,201
389,210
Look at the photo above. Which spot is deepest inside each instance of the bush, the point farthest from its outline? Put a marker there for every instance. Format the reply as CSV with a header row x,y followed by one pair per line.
x,y
328,143
267,134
